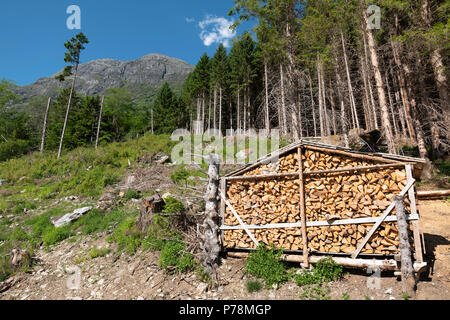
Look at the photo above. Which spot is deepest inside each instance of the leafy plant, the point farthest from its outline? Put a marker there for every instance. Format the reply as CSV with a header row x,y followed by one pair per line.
x,y
264,263
126,236
316,293
174,258
253,286
132,194
98,252
173,206
346,296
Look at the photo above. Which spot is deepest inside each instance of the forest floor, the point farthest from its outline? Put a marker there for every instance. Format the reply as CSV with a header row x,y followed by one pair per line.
x,y
138,277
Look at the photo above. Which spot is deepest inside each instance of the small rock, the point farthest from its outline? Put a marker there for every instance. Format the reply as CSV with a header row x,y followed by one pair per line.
x,y
202,288
391,298
388,291
2,182
140,298
272,296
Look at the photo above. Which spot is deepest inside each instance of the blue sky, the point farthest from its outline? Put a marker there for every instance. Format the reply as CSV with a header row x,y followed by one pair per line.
x,y
32,33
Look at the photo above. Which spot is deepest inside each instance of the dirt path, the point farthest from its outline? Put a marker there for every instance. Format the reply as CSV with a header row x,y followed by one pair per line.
x,y
139,277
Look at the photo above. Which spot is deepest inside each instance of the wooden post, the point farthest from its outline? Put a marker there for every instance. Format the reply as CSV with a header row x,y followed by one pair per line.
x,y
408,280
44,128
303,209
211,246
416,229
99,122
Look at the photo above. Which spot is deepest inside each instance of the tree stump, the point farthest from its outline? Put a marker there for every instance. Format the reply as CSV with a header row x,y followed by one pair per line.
x,y
211,246
408,278
149,206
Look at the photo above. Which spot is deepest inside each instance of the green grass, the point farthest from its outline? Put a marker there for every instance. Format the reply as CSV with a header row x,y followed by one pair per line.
x,y
98,252
253,286
326,270
264,263
174,258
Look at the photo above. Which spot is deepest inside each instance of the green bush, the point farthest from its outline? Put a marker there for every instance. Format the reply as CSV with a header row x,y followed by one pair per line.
x,y
132,194
326,270
159,232
173,206
264,263
253,286
174,258
179,176
126,236
98,252
13,149
55,235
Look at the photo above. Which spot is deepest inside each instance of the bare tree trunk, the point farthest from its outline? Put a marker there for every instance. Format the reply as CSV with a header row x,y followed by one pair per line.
x,y
380,86
370,121
44,127
220,108
313,107
319,82
283,102
67,112
349,82
391,106
369,85
404,91
324,97
215,107
333,110
238,121
100,122
266,85
211,245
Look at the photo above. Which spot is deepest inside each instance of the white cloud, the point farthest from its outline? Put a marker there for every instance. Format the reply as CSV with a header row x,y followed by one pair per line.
x,y
190,20
216,30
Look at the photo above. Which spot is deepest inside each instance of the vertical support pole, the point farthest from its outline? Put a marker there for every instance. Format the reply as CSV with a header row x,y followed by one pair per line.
x,y
223,191
44,128
99,122
408,280
302,209
211,246
416,229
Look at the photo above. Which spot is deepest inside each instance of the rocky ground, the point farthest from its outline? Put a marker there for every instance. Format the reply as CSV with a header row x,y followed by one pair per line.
x,y
66,272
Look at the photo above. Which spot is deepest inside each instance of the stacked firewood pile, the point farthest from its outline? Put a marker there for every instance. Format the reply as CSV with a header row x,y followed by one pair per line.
x,y
328,197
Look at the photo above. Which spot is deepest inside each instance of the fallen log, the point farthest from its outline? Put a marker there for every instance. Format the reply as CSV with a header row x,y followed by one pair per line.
x,y
433,195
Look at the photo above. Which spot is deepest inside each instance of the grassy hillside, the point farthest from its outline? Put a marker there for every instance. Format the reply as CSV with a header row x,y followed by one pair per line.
x,y
37,184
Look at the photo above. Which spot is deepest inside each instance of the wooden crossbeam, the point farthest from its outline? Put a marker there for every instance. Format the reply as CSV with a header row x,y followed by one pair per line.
x,y
381,219
243,225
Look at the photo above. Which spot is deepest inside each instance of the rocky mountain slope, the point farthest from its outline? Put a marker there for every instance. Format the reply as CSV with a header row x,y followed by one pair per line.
x,y
95,77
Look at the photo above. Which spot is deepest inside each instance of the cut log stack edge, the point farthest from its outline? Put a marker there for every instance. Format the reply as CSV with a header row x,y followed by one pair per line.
x,y
332,196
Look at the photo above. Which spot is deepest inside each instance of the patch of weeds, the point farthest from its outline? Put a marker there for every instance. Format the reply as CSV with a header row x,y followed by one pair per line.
x,y
127,237
367,298
132,194
55,235
264,263
98,252
159,232
202,275
174,258
99,221
21,206
316,293
180,176
406,296
326,270
345,296
173,206
253,286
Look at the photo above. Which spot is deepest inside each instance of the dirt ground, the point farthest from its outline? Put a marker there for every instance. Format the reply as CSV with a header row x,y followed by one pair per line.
x,y
139,278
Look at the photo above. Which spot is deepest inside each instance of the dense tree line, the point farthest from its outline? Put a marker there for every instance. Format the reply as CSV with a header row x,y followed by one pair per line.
x,y
316,68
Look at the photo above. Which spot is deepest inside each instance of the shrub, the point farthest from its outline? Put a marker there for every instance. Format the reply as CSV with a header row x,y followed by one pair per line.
x,y
174,258
264,263
56,235
98,252
253,286
13,149
179,176
325,270
159,232
126,236
132,194
173,206
316,293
